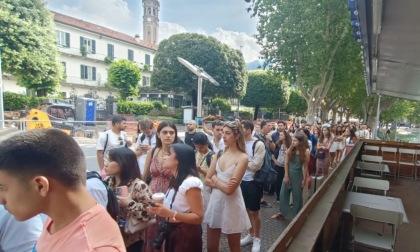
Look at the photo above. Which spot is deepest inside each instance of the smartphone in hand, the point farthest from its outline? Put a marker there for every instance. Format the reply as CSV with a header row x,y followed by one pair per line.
x,y
121,191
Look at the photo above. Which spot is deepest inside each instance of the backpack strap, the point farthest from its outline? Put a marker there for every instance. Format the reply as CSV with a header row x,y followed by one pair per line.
x,y
143,136
208,158
93,174
106,143
253,146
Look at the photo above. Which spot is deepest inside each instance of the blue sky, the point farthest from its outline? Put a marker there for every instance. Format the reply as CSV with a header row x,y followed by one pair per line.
x,y
226,20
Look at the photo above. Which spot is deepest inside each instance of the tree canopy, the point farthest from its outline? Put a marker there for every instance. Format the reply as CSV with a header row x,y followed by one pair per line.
x,y
124,75
306,41
27,40
224,64
265,89
297,104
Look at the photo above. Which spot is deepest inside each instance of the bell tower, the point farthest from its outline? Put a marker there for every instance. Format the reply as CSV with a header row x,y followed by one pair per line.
x,y
151,21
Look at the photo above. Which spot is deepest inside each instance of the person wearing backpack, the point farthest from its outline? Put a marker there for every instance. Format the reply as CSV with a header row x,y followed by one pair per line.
x,y
294,178
265,136
145,142
252,192
203,156
113,138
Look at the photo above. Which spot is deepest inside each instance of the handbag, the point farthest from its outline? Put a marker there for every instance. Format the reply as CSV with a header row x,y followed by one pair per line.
x,y
133,226
320,155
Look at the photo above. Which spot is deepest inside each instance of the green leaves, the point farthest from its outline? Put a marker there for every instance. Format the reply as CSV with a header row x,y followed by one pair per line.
x,y
27,39
265,89
223,63
125,76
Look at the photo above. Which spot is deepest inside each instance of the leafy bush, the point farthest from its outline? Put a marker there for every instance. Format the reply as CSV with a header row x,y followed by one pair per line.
x,y
14,101
136,108
246,115
159,105
162,112
224,104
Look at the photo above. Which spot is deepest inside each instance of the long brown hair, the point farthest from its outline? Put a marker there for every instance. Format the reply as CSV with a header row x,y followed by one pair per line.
x,y
287,140
301,148
238,132
321,135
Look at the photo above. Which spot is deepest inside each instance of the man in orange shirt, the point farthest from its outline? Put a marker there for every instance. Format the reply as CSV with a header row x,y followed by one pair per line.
x,y
44,171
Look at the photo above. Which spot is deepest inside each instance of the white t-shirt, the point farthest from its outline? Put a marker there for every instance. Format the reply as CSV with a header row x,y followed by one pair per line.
x,y
216,148
18,235
249,173
180,202
141,160
363,134
112,143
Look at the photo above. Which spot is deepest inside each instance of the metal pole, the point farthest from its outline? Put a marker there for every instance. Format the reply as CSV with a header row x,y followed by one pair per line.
x,y
1,97
375,131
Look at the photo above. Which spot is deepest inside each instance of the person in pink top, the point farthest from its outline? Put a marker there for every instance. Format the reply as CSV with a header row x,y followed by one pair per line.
x,y
44,171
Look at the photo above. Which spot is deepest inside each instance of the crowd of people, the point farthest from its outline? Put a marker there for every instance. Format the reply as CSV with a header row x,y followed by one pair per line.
x,y
166,190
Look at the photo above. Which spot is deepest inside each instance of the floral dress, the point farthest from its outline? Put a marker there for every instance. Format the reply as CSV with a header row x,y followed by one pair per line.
x,y
159,183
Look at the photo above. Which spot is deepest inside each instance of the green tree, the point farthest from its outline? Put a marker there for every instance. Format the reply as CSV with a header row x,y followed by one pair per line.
x,y
304,40
265,89
223,104
223,63
27,40
297,104
125,76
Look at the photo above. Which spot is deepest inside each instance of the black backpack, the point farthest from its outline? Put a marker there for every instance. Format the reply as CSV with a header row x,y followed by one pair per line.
x,y
112,207
265,175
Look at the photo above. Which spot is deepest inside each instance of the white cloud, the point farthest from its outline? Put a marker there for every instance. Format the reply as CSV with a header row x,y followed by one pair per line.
x,y
113,14
168,29
250,48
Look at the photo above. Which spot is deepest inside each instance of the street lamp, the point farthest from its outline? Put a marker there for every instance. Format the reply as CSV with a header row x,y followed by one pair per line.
x,y
201,74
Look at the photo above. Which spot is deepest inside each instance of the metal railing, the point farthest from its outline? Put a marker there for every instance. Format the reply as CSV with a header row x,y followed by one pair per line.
x,y
87,129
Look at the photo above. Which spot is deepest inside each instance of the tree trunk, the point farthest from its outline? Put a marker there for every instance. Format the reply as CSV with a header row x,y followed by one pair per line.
x,y
334,117
256,109
311,112
325,112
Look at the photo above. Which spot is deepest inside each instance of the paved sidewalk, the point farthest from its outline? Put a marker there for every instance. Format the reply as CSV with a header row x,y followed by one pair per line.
x,y
270,229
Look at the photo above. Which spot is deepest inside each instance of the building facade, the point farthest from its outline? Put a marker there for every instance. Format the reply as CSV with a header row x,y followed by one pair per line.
x,y
86,50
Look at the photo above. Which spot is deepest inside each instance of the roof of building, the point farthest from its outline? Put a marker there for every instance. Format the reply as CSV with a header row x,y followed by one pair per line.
x,y
81,24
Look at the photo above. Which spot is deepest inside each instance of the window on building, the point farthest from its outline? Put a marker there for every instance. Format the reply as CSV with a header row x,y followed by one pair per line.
x,y
130,55
64,66
87,72
110,51
147,59
63,39
146,81
89,43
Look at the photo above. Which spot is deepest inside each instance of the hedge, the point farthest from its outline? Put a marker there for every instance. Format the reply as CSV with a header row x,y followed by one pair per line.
x,y
136,108
15,102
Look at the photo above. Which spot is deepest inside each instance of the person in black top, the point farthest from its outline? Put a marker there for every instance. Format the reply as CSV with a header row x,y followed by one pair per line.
x,y
190,133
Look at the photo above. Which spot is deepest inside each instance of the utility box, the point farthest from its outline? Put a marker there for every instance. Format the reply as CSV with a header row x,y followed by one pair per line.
x,y
86,110
188,113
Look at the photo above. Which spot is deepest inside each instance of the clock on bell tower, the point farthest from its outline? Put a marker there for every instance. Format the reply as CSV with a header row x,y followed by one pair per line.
x,y
151,21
